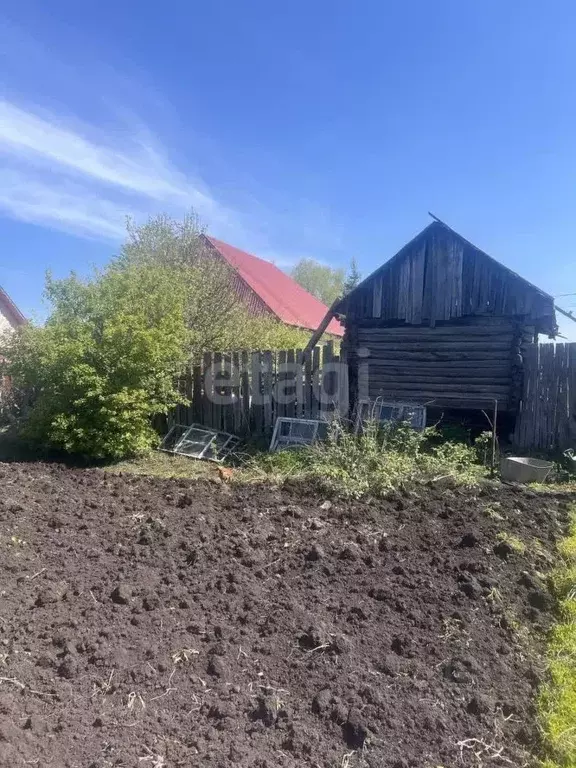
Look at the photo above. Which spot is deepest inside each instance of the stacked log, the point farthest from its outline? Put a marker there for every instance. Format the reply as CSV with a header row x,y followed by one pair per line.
x,y
458,365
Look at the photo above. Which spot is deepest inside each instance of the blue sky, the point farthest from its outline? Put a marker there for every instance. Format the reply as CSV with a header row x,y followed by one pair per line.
x,y
324,129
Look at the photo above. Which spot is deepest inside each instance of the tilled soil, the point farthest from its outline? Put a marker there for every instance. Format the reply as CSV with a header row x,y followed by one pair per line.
x,y
158,623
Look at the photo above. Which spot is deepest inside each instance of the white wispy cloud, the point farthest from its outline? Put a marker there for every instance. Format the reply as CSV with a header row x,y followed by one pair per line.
x,y
68,176
64,205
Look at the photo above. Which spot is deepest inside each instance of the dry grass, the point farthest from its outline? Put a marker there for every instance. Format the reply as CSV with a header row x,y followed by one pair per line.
x,y
159,464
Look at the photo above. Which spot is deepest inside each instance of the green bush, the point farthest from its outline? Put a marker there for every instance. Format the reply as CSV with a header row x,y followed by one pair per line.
x,y
104,363
108,358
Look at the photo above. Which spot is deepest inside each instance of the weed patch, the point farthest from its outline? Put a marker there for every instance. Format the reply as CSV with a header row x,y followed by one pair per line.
x,y
516,544
558,697
372,463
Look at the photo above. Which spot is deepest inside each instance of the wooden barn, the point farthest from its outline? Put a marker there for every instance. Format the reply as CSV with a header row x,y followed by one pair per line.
x,y
444,324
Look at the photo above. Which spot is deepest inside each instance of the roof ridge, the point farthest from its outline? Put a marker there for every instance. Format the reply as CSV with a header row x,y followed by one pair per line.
x,y
255,278
286,299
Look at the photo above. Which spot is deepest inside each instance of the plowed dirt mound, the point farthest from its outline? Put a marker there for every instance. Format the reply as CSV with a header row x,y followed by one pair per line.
x,y
161,623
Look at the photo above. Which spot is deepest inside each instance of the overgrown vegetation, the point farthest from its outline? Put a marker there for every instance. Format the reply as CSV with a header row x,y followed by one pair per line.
x,y
105,361
380,459
558,697
108,358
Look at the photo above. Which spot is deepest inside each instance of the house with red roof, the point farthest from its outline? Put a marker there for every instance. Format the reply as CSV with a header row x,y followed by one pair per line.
x,y
266,289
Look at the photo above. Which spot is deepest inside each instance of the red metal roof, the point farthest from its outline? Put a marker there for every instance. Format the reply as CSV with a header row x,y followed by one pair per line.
x,y
282,295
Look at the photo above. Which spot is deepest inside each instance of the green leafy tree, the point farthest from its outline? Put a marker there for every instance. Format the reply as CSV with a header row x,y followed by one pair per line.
x,y
215,312
322,281
109,356
104,363
353,277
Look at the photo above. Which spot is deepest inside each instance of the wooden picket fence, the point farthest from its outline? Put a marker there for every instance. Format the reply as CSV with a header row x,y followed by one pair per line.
x,y
547,417
243,392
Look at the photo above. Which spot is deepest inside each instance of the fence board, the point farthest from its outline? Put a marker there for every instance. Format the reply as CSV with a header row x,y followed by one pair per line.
x,y
245,391
308,393
268,359
196,392
236,401
300,387
206,416
256,410
547,415
281,378
315,410
571,419
236,390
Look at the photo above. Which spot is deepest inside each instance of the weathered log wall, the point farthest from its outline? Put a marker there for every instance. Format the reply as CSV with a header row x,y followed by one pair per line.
x,y
468,363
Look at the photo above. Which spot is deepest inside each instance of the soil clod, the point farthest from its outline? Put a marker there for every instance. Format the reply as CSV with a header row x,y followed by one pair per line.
x,y
173,623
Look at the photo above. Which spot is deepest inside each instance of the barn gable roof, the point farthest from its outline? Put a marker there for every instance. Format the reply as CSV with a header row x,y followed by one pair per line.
x,y
440,276
282,295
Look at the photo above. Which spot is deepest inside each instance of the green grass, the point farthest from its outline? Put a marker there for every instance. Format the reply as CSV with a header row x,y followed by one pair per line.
x,y
513,541
372,464
557,702
162,464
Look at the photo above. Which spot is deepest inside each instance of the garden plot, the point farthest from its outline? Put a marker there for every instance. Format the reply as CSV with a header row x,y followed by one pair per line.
x,y
166,623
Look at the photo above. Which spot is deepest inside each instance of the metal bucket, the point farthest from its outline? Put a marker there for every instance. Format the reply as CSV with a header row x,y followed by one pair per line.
x,y
516,469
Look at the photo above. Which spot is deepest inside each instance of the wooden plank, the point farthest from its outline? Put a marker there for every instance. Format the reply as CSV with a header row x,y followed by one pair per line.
x,y
299,374
418,267
462,376
555,384
323,379
572,394
188,394
457,295
555,389
404,270
535,396
343,387
420,346
489,389
245,393
281,378
290,387
502,363
217,391
319,332
268,378
411,343
445,355
549,402
424,332
257,410
236,392
377,297
316,381
481,368
540,426
208,391
226,390
308,395
563,401
197,393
